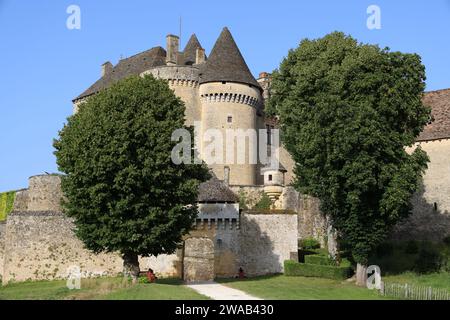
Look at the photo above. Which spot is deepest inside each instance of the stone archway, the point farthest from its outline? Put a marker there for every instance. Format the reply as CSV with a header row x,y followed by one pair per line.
x,y
198,261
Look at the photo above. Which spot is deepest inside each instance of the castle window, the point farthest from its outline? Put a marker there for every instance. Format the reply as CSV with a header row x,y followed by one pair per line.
x,y
435,206
270,177
230,119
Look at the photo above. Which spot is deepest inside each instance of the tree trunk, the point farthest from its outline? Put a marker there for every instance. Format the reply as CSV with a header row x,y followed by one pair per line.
x,y
131,266
361,275
332,243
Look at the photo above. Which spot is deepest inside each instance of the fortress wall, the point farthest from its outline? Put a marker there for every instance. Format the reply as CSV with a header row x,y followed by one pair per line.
x,y
430,219
184,81
251,194
21,200
266,241
165,265
44,193
311,223
42,245
288,163
2,247
259,245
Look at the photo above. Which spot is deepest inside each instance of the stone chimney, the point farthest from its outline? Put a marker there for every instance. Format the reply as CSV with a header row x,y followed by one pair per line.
x,y
264,81
172,47
263,75
226,176
106,68
199,55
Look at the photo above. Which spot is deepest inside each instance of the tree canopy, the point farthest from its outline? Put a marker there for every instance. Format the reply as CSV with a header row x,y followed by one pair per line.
x,y
347,112
121,186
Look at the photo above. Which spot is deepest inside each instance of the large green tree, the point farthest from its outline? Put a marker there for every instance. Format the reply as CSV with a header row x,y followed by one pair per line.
x,y
121,186
347,111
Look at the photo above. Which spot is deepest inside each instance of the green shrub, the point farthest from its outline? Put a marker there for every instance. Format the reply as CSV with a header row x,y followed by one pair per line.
x,y
385,249
292,268
446,240
143,280
320,260
242,200
264,202
6,203
428,261
411,247
308,244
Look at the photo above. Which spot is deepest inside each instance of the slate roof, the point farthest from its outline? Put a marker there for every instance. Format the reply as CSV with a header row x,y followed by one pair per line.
x,y
133,65
189,52
215,190
225,63
439,128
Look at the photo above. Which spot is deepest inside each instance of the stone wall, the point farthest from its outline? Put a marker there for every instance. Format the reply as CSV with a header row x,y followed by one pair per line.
x,y
266,241
311,223
44,193
21,200
251,194
42,245
430,219
2,246
183,80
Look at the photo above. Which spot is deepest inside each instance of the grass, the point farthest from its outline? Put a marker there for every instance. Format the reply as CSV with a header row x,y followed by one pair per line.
x,y
280,287
99,289
435,280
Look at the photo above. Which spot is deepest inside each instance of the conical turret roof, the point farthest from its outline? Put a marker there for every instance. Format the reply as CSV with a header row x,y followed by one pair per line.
x,y
190,49
225,63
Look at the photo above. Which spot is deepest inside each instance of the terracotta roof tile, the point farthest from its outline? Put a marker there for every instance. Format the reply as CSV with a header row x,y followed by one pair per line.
x,y
439,128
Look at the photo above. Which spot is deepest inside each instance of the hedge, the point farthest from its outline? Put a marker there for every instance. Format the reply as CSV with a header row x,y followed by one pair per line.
x,y
6,203
319,259
324,260
292,268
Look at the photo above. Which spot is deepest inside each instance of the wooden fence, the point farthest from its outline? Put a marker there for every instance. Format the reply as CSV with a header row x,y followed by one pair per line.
x,y
409,292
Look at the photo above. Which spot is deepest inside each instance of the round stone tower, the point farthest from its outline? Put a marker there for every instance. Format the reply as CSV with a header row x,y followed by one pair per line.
x,y
229,98
182,71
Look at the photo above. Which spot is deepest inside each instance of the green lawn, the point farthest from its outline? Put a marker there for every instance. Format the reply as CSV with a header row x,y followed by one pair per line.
x,y
301,288
435,280
100,288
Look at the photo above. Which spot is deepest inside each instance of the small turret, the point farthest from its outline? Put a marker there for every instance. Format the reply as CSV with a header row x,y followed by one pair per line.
x,y
273,181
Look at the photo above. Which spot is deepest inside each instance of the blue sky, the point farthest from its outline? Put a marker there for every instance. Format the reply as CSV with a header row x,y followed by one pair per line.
x,y
43,64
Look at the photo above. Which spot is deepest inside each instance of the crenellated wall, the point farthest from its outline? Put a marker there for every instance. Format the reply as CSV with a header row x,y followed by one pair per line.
x,y
183,80
227,108
39,245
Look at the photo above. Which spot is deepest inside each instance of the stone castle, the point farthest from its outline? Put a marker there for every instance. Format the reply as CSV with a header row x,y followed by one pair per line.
x,y
220,92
